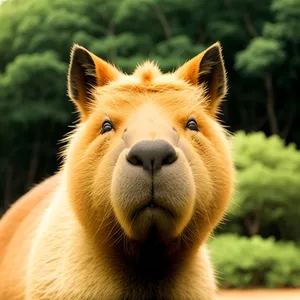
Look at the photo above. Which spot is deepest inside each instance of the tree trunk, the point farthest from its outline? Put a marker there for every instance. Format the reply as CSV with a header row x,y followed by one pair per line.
x,y
8,187
290,119
111,31
270,103
249,25
33,161
252,223
163,21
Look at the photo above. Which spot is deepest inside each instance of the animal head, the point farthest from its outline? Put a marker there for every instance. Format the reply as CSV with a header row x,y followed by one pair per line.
x,y
149,160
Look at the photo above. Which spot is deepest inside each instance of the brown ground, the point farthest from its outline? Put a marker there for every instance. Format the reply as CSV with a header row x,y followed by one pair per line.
x,y
284,294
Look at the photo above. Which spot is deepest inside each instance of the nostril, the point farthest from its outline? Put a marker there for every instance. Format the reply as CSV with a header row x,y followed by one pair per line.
x,y
170,158
134,159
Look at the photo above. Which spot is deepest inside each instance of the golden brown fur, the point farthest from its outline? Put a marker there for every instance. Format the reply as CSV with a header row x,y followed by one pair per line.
x,y
89,232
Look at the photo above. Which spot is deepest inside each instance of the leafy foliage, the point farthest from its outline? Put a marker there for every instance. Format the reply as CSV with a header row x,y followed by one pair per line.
x,y
251,262
38,95
262,54
267,201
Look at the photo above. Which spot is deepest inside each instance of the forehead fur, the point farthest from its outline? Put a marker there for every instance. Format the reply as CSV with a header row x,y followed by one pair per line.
x,y
147,72
149,84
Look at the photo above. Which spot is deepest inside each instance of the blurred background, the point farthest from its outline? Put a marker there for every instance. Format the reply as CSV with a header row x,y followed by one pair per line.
x,y
257,245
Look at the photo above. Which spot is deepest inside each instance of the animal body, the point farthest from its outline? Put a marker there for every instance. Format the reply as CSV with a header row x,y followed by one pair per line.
x,y
147,175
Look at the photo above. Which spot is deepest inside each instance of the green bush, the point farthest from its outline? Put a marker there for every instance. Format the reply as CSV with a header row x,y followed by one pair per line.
x,y
242,262
267,198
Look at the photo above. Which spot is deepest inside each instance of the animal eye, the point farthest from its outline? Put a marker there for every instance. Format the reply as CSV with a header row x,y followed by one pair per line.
x,y
106,126
192,125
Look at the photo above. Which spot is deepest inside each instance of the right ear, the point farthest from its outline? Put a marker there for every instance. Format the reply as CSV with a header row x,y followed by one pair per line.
x,y
207,70
86,72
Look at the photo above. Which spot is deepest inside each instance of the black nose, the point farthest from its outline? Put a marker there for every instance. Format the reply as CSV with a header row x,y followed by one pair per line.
x,y
152,155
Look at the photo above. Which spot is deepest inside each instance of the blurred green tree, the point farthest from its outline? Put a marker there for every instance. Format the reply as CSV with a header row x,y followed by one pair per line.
x,y
243,262
268,180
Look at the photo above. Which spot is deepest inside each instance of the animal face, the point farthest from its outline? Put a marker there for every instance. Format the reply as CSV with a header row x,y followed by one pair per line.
x,y
149,160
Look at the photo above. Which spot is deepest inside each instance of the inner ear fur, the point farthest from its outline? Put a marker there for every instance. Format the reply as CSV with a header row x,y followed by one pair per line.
x,y
207,70
86,72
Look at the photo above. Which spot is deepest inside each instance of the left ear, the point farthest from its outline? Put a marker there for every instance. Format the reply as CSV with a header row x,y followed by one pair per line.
x,y
86,72
207,69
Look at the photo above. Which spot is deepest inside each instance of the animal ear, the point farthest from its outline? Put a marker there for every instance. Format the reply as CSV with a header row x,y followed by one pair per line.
x,y
86,72
207,70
